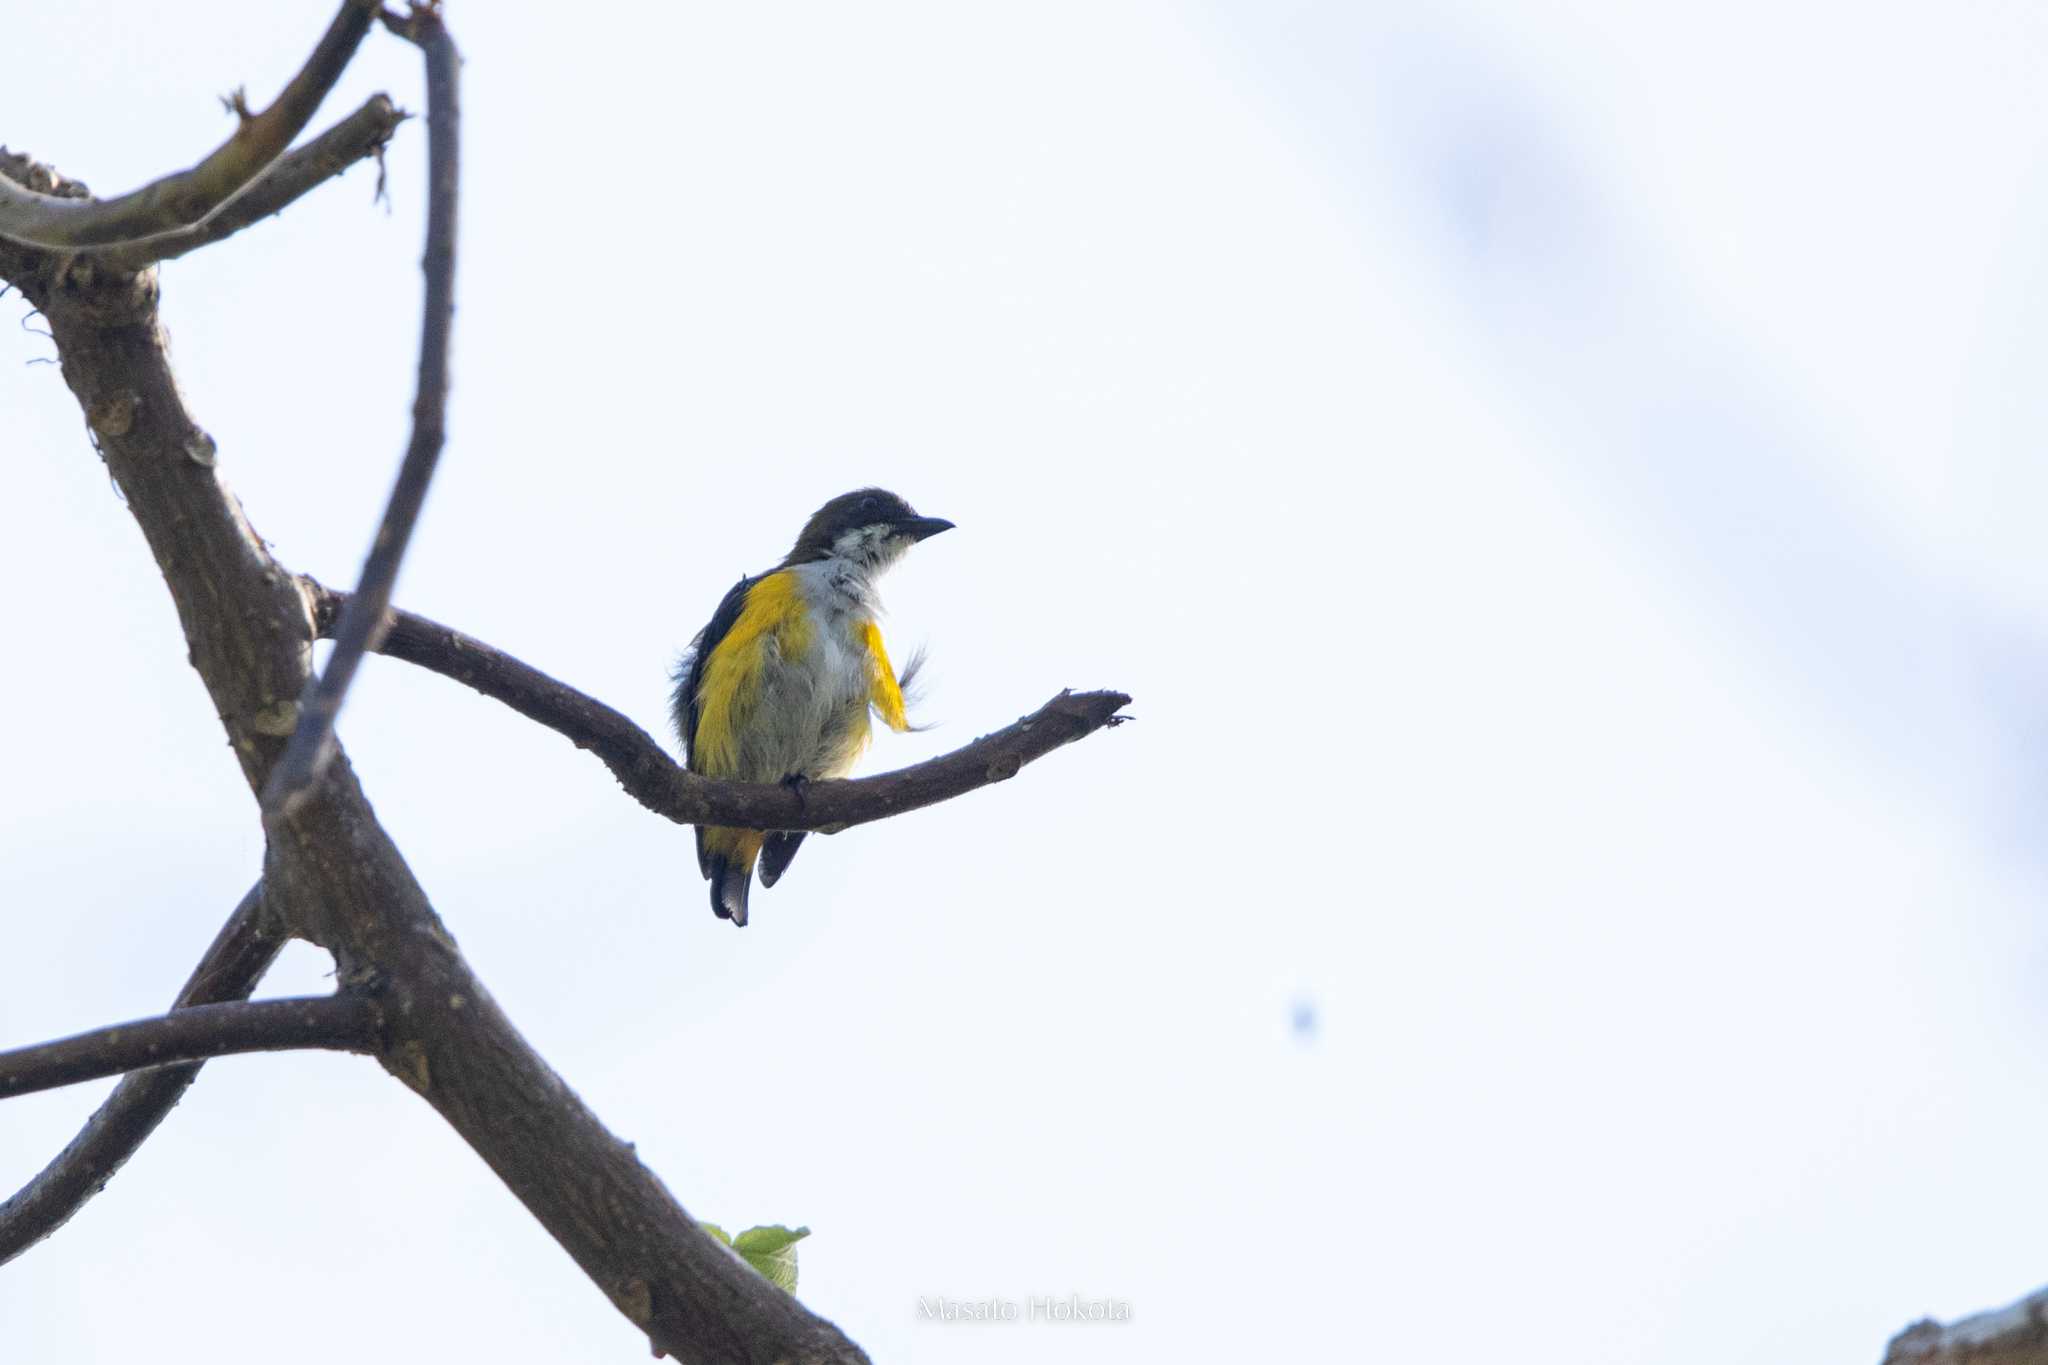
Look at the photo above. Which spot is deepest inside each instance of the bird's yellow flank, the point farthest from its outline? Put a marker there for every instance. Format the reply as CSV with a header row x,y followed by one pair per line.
x,y
773,618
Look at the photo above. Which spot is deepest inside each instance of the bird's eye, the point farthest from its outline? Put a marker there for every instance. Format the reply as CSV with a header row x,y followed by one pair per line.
x,y
870,504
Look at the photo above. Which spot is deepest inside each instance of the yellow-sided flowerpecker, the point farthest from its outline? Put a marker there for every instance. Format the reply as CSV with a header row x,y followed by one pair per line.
x,y
779,686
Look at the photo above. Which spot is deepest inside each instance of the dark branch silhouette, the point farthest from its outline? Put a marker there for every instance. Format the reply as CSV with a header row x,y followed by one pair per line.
x,y
341,1023
187,198
240,954
304,757
658,782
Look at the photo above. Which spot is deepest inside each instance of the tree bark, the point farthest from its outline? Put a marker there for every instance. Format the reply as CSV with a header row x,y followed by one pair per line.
x,y
2014,1335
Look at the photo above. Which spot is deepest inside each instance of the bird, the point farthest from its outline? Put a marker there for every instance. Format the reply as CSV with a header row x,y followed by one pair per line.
x,y
780,685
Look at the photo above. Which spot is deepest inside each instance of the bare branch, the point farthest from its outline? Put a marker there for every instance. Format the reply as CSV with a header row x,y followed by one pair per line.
x,y
335,876
339,881
2014,1335
446,1038
659,783
361,135
308,750
341,1023
185,199
240,954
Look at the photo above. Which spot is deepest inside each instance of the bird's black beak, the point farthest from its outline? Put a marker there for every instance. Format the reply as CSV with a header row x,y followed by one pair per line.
x,y
923,528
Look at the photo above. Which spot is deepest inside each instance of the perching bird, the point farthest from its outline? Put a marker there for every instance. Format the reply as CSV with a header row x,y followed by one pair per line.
x,y
778,687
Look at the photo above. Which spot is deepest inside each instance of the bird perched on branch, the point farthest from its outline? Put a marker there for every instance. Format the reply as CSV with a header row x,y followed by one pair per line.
x,y
779,686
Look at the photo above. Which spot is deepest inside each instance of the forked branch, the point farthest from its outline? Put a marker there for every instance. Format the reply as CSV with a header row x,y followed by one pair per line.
x,y
240,954
361,135
186,199
332,871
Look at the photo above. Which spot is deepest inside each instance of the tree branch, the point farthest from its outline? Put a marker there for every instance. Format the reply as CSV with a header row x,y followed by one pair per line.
x,y
240,954
342,1023
361,135
2014,1335
447,1039
308,750
658,782
185,199
335,874
342,883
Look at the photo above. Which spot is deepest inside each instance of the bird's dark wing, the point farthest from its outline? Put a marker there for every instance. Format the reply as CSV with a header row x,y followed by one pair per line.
x,y
689,672
777,850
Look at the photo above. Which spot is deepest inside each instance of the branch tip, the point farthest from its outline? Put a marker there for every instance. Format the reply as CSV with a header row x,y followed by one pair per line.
x,y
361,136
184,200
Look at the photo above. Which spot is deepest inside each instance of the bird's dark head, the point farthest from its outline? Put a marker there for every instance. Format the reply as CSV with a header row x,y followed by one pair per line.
x,y
871,527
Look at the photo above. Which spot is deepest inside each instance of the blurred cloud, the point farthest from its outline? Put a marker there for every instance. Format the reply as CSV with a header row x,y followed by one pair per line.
x,y
1720,471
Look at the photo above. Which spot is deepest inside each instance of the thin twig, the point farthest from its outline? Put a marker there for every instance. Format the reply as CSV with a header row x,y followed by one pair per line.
x,y
236,961
307,753
657,782
186,198
361,135
340,1023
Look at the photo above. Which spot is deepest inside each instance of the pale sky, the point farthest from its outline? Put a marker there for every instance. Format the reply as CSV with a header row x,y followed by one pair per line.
x,y
1561,481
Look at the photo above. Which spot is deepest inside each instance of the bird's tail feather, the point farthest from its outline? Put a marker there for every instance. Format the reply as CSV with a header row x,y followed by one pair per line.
x,y
726,857
729,891
776,852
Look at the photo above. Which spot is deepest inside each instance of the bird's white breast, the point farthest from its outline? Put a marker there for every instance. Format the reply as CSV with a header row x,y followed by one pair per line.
x,y
819,719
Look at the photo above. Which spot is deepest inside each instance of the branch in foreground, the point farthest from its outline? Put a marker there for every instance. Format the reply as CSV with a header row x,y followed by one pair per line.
x,y
361,135
2014,1335
341,882
446,1038
659,783
341,1023
236,961
308,751
186,198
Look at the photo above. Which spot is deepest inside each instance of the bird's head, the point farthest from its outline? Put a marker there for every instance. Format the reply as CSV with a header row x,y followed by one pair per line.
x,y
871,527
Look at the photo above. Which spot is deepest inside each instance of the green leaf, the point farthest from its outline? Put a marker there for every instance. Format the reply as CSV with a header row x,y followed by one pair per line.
x,y
772,1251
715,1231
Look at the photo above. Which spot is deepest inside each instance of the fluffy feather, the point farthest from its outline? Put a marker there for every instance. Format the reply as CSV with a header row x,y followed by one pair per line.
x,y
781,683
